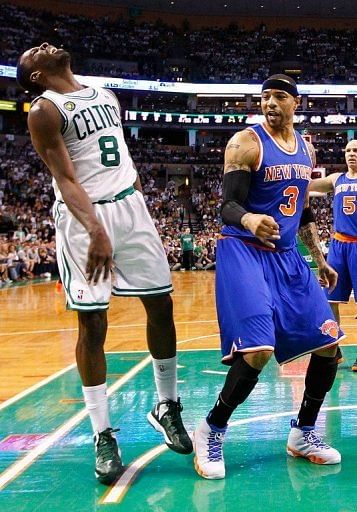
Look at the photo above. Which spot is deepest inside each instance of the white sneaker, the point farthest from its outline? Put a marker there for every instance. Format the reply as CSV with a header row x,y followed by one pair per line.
x,y
208,447
305,442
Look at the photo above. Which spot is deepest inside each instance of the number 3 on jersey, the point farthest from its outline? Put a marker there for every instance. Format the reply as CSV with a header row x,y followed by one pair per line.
x,y
109,154
289,209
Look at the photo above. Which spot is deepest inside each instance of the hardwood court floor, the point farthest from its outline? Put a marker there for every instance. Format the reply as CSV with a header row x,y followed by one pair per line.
x,y
46,449
38,335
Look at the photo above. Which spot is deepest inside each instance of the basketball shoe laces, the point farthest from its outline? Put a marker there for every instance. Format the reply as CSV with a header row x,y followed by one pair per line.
x,y
215,443
314,439
173,410
106,444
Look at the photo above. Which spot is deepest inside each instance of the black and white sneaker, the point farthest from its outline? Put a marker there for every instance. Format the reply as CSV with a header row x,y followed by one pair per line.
x,y
108,463
166,418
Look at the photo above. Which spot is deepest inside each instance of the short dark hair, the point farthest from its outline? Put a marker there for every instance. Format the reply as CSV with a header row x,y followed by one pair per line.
x,y
23,74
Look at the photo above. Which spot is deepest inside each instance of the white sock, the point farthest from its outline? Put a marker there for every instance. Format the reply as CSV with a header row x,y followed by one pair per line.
x,y
96,401
165,374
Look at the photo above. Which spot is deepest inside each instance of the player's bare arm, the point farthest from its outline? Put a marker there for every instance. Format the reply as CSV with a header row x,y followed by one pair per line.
x,y
241,155
324,185
312,153
309,235
44,123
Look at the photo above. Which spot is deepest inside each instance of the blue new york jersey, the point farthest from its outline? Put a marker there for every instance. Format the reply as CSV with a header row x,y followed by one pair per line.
x,y
345,206
278,187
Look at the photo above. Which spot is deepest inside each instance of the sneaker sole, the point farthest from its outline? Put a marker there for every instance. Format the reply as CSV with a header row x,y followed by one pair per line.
x,y
109,479
156,425
312,458
204,475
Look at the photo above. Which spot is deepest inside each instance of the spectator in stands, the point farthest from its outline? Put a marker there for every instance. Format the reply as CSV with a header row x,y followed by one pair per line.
x,y
187,244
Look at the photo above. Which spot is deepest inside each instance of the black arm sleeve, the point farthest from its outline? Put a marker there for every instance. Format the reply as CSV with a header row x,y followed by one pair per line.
x,y
235,191
307,217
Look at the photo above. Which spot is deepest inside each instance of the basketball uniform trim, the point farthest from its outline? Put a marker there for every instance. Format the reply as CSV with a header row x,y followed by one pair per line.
x,y
290,153
341,237
71,303
135,292
335,342
80,97
259,160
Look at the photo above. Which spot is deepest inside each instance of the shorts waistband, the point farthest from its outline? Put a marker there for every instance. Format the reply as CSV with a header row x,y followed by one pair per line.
x,y
118,197
127,192
253,242
341,237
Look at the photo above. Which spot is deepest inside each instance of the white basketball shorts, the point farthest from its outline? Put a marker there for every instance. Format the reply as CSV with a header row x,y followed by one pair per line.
x,y
140,263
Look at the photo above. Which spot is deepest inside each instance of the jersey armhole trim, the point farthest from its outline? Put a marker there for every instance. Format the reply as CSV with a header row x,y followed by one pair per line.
x,y
62,113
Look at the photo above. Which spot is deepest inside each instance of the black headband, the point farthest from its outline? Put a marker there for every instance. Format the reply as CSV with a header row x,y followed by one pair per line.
x,y
281,85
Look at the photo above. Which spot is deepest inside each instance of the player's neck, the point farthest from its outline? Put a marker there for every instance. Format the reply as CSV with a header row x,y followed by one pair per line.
x,y
65,83
352,173
285,133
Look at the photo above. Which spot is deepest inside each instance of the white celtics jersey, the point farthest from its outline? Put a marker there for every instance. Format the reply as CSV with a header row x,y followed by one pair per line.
x,y
94,138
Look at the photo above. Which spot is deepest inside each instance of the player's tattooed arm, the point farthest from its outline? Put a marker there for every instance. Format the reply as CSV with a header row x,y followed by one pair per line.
x,y
242,152
312,153
309,235
241,157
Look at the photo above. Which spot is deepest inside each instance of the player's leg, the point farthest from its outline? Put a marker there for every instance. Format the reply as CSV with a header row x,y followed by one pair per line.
x,y
247,337
91,303
142,270
303,440
336,311
338,257
311,329
161,338
352,255
209,436
92,368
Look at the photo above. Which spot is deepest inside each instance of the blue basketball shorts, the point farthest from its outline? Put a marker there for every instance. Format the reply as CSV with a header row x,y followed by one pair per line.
x,y
270,301
342,256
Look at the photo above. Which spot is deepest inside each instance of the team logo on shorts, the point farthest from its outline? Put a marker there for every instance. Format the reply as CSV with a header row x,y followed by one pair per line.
x,y
69,105
330,328
80,295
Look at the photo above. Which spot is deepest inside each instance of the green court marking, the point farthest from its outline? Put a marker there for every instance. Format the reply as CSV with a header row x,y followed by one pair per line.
x,y
260,477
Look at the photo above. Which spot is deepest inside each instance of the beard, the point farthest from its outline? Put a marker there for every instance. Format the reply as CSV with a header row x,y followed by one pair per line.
x,y
62,57
57,61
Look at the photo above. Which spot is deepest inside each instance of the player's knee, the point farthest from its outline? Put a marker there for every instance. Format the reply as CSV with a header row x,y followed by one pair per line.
x,y
258,359
158,308
327,352
92,327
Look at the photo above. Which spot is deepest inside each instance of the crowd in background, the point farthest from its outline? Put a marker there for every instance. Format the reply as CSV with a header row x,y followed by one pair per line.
x,y
27,234
134,49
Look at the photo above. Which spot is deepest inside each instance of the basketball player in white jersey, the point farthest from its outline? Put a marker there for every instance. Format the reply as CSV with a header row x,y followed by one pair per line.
x,y
106,241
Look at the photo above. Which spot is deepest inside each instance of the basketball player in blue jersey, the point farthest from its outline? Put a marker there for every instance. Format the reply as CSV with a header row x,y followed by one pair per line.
x,y
267,298
342,255
106,241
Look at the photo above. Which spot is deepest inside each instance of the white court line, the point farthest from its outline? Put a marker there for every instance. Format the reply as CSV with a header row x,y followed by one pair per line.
x,y
117,492
214,372
22,464
288,413
122,485
18,467
123,326
29,390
